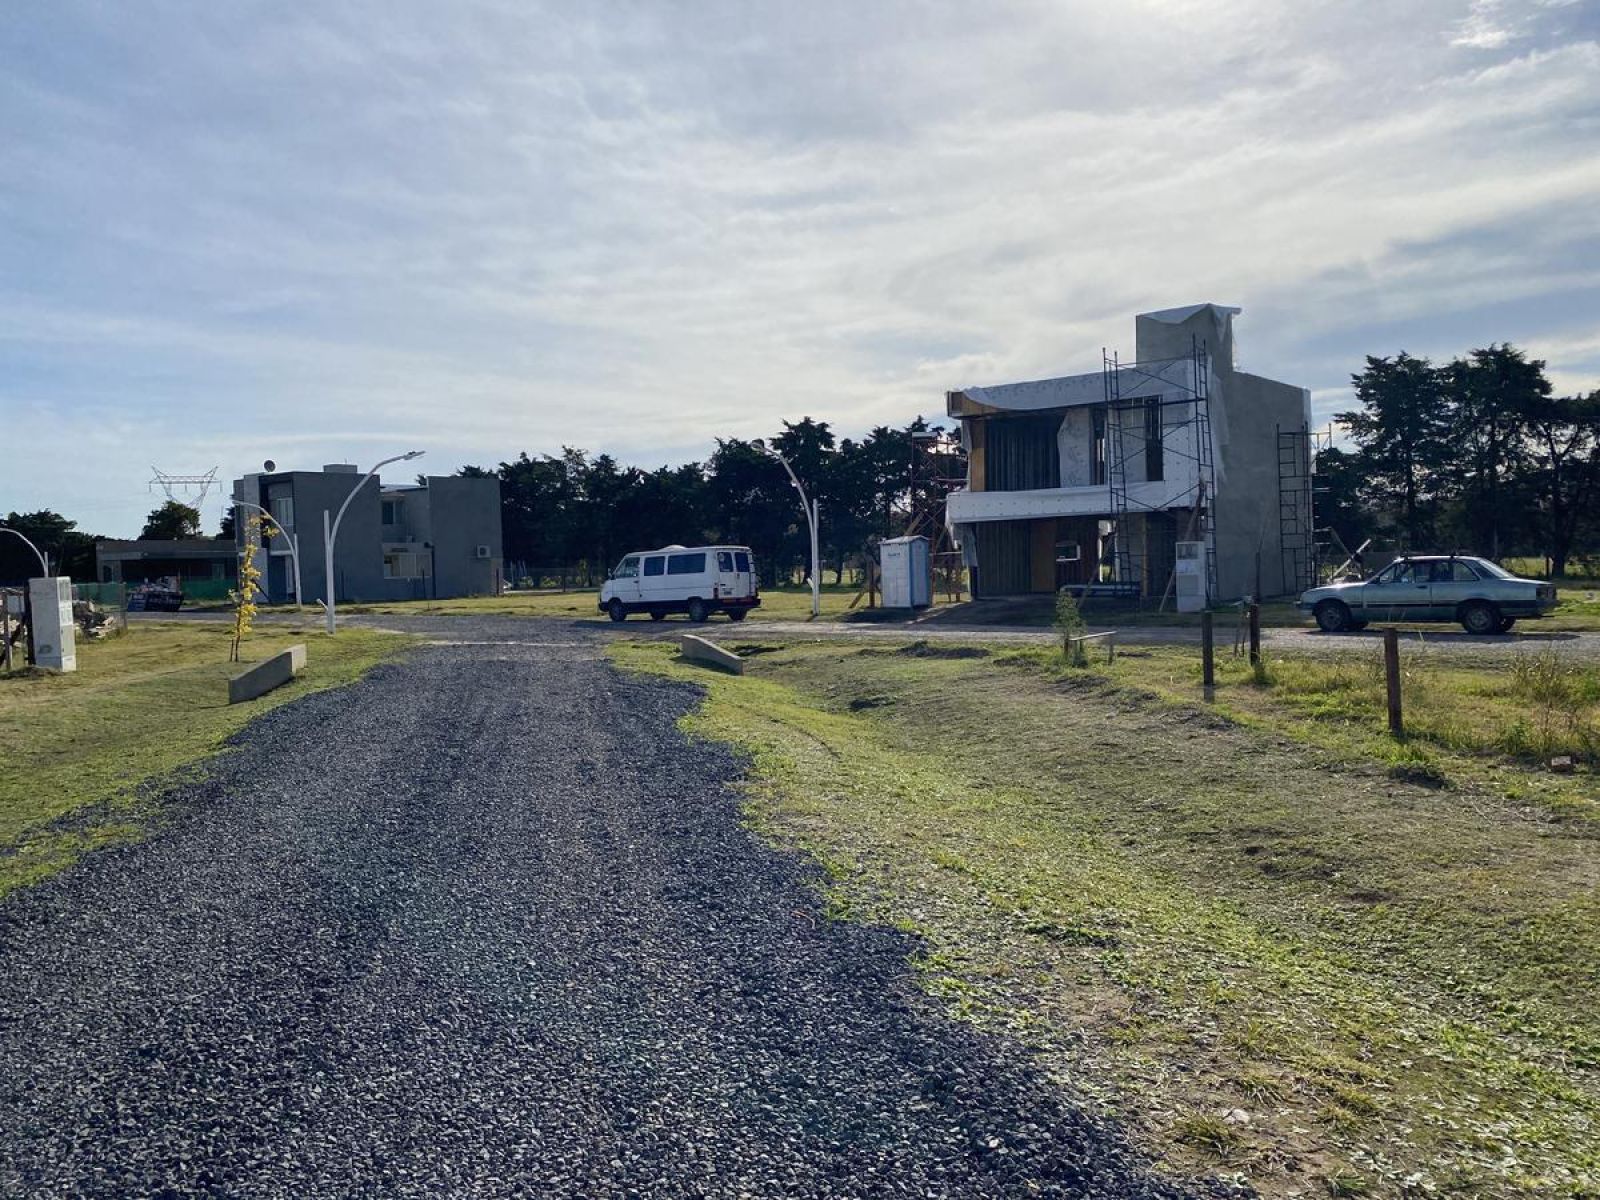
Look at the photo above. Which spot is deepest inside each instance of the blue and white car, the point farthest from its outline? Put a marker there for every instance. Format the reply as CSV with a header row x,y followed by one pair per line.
x,y
1483,597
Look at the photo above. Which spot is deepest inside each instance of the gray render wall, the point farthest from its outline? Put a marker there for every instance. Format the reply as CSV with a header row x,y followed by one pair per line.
x,y
464,514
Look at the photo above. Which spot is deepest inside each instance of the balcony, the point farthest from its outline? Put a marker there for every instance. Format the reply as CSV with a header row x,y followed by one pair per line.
x,y
966,507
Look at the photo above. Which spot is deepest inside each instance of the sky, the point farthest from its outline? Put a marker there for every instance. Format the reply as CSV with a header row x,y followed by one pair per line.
x,y
332,232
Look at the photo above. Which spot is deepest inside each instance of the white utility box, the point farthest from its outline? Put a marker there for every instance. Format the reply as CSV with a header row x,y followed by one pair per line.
x,y
54,646
907,572
1190,581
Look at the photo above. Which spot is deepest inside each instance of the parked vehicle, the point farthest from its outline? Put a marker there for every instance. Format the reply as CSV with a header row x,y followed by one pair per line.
x,y
1483,597
697,580
153,597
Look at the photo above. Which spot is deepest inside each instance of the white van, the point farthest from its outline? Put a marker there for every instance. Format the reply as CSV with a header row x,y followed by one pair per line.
x,y
698,580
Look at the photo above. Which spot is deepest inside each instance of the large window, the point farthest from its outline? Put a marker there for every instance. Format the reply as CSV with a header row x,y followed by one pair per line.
x,y
391,512
404,565
628,568
686,564
283,511
1154,455
1097,445
1020,453
654,566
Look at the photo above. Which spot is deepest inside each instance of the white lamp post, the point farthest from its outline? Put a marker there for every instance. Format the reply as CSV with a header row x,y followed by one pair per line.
x,y
292,538
329,533
809,507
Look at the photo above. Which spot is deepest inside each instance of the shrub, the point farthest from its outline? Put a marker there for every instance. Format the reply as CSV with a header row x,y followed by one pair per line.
x,y
1070,624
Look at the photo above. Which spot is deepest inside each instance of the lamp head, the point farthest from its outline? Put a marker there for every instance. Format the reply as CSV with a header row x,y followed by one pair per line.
x,y
410,454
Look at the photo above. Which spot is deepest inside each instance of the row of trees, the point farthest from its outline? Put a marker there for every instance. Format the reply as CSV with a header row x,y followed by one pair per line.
x,y
572,508
1477,454
71,551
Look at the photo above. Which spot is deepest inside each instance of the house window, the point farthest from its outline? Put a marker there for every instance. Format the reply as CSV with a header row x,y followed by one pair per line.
x,y
402,565
1154,458
391,512
1068,552
283,511
1022,454
1097,446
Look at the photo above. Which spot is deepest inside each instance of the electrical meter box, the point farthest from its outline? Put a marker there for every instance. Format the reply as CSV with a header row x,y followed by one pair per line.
x,y
1190,580
54,647
907,572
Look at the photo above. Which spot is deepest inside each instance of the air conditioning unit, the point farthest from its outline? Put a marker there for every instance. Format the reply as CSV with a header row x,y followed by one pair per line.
x,y
483,552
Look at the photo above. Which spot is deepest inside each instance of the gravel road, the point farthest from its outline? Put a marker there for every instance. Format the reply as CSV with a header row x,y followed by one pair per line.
x,y
487,924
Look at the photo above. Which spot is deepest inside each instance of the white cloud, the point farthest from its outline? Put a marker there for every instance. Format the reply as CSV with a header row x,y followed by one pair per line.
x,y
490,228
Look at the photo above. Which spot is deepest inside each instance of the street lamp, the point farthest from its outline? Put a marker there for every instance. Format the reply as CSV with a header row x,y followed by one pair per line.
x,y
809,507
44,562
329,533
292,538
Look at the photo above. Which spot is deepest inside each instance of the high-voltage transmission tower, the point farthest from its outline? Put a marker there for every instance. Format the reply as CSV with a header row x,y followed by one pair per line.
x,y
173,484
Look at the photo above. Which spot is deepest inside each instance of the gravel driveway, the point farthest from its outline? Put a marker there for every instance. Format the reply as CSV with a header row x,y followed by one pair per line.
x,y
487,924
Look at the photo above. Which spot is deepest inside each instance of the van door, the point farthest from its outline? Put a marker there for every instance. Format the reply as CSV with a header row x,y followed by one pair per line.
x,y
625,580
738,572
653,581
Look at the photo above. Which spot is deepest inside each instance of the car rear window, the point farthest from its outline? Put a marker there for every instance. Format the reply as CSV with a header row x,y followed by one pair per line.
x,y
724,561
742,559
686,564
654,566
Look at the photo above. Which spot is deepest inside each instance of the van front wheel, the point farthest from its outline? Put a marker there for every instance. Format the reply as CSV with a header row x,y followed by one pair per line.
x,y
697,610
617,611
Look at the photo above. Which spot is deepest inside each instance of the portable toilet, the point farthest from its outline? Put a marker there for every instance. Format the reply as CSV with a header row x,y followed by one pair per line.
x,y
1190,581
907,572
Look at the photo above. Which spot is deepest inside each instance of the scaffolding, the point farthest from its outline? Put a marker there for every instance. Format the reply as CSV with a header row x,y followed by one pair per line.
x,y
1304,547
1157,405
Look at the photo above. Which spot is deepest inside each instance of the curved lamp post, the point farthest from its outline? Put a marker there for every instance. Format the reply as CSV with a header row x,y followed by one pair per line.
x,y
44,563
809,507
292,538
329,533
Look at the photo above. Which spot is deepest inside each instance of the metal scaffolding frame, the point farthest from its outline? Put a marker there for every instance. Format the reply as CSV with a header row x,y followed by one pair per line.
x,y
1303,545
1124,439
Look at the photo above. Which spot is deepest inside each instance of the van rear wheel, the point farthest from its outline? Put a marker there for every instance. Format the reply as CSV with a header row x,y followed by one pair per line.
x,y
698,611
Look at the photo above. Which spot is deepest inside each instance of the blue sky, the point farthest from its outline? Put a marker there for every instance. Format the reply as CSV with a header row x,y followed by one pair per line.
x,y
333,231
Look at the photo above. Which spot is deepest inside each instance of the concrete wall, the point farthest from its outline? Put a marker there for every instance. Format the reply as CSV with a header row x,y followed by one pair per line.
x,y
1247,502
358,550
465,514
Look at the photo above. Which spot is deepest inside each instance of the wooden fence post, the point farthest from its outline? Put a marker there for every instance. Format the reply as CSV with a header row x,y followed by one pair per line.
x,y
1255,633
1208,669
1391,676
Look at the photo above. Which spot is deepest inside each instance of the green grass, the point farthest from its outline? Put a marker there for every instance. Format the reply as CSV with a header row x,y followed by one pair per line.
x,y
78,747
777,604
1188,916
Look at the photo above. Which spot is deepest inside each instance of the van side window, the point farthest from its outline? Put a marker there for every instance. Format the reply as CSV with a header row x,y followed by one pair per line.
x,y
724,561
742,559
686,564
654,566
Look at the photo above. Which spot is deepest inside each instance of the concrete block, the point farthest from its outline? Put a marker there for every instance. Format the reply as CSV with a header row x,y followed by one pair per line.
x,y
713,655
267,674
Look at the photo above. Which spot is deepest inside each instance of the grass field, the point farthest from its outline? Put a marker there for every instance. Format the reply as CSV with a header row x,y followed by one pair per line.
x,y
1270,951
78,747
777,604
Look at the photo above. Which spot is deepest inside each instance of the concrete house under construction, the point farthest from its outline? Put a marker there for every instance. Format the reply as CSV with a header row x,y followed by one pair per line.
x,y
1170,476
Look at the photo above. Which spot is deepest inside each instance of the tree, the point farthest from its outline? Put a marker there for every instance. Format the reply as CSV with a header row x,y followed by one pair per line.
x,y
1490,397
173,521
70,552
1564,446
226,533
1402,431
1341,475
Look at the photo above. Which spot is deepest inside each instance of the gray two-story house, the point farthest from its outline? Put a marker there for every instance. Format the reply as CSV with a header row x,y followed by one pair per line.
x,y
431,540
1106,480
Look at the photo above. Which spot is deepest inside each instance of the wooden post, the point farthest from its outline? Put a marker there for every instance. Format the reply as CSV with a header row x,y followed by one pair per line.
x,y
5,630
27,615
1391,676
1255,633
1208,667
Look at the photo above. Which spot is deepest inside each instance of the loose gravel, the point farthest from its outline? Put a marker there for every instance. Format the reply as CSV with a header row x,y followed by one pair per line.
x,y
487,924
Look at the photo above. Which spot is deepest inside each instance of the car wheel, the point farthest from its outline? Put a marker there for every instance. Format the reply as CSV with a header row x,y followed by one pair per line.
x,y
1332,616
1506,623
617,611
1480,617
697,610
657,615
738,614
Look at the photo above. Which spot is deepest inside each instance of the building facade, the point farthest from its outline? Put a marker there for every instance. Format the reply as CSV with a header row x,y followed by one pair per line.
x,y
1100,481
433,540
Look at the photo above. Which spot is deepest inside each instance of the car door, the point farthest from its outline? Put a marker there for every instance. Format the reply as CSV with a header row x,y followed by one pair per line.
x,y
653,579
1454,583
1397,593
625,580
